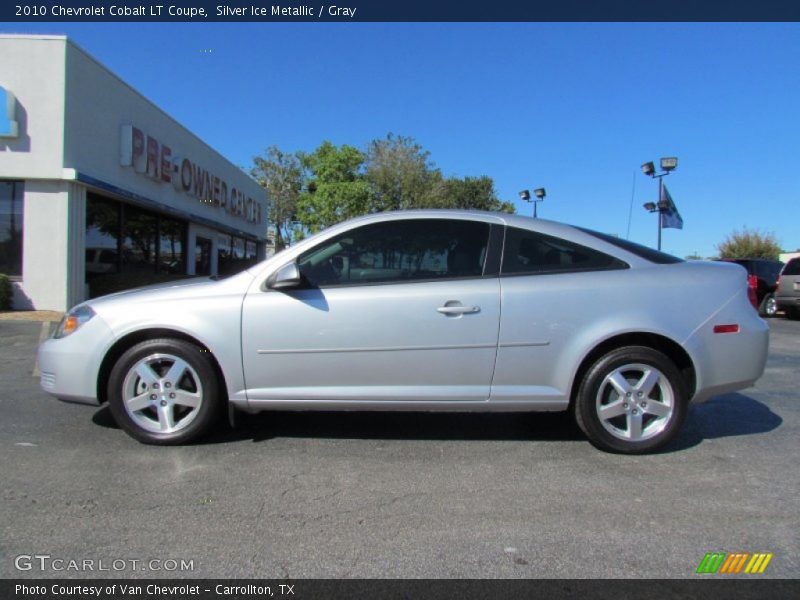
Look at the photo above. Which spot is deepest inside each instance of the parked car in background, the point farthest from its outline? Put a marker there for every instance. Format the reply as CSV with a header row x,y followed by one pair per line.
x,y
762,277
101,260
787,294
423,311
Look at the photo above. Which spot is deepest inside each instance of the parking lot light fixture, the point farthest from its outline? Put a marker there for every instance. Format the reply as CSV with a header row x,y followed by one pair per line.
x,y
539,194
668,164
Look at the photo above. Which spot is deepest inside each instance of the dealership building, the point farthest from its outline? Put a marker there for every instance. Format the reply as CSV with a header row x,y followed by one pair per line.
x,y
102,190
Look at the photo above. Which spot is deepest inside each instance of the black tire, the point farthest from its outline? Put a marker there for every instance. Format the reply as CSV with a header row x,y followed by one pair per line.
x,y
768,307
661,409
793,313
192,403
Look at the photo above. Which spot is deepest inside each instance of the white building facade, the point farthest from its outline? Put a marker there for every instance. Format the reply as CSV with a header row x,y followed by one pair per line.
x,y
101,190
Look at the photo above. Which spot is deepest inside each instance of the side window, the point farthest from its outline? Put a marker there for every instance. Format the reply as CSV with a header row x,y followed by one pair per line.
x,y
792,267
399,251
529,252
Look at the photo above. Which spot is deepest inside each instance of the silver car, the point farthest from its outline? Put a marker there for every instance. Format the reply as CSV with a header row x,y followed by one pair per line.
x,y
787,292
423,311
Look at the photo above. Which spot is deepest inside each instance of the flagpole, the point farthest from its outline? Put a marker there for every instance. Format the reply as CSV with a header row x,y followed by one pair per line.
x,y
660,209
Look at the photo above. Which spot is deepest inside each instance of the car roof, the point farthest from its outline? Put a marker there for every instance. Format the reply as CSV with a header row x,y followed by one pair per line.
x,y
554,228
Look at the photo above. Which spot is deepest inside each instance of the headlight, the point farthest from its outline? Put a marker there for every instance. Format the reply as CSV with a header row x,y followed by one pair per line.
x,y
73,321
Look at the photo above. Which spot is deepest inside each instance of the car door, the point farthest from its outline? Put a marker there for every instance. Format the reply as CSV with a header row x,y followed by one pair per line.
x,y
552,292
399,310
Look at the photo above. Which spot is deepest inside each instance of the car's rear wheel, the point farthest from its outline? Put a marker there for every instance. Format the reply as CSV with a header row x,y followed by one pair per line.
x,y
164,391
769,307
632,400
793,313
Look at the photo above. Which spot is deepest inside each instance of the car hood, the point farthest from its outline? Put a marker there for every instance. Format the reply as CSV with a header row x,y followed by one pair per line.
x,y
175,290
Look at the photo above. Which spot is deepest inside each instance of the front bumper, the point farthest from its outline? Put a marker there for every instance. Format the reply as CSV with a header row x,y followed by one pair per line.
x,y
70,365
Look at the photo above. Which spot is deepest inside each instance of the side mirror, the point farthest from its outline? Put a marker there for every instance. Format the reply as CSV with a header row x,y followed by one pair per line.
x,y
285,278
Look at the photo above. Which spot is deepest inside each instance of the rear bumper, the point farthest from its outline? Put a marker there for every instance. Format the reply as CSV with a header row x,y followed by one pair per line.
x,y
70,365
726,362
786,302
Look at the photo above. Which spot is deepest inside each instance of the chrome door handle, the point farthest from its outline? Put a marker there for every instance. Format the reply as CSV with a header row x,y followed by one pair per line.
x,y
458,310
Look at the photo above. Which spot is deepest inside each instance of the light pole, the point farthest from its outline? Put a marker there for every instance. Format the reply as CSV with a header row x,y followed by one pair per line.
x,y
668,164
540,193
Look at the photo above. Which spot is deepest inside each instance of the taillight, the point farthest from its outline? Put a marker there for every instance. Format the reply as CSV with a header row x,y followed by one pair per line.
x,y
752,286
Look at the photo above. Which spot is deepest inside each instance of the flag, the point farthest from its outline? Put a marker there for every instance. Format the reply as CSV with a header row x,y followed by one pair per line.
x,y
670,217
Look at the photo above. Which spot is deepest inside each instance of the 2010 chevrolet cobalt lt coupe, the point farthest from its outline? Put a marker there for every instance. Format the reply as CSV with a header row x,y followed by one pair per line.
x,y
423,311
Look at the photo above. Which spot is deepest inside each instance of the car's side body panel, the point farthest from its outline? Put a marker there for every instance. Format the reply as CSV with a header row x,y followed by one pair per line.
x,y
371,342
552,322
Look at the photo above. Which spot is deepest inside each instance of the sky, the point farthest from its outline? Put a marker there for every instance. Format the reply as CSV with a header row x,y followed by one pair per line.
x,y
572,107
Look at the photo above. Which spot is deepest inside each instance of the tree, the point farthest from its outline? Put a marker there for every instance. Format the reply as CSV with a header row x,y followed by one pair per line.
x,y
336,189
749,243
399,172
281,175
402,176
335,183
475,193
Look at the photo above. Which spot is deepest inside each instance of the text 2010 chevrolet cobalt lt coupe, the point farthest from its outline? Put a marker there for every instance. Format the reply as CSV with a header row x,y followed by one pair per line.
x,y
423,311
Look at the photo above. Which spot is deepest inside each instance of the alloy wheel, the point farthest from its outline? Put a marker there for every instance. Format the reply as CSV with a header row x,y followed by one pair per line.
x,y
635,402
162,393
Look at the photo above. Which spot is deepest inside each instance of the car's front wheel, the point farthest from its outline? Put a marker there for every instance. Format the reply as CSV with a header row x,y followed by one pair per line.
x,y
632,400
164,391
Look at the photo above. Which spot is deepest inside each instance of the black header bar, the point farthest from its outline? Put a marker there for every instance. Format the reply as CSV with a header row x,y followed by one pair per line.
x,y
348,11
733,588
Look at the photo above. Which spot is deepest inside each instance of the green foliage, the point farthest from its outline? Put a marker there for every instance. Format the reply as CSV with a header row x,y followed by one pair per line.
x,y
335,190
468,193
402,176
281,175
400,173
335,183
6,292
749,243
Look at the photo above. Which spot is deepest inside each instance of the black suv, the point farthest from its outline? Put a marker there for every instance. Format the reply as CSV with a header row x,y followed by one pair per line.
x,y
762,275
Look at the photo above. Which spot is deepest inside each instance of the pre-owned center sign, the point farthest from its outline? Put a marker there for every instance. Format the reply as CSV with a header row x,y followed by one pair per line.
x,y
154,159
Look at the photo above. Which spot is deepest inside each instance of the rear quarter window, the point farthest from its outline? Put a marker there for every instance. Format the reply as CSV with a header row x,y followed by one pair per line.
x,y
530,252
792,267
654,256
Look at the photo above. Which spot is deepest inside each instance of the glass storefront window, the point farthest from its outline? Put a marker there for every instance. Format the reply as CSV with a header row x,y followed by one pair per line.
x,y
238,250
102,236
139,243
127,246
225,264
171,257
202,256
11,213
251,253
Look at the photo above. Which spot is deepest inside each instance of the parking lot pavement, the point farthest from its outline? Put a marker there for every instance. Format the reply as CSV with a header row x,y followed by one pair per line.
x,y
396,495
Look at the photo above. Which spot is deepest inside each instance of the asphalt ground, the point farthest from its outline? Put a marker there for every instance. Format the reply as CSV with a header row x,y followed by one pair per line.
x,y
331,495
